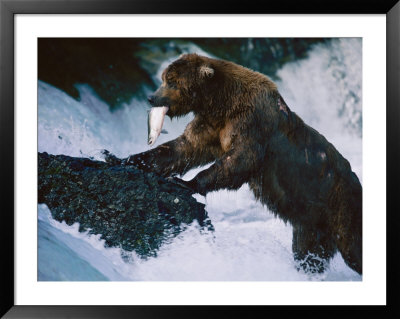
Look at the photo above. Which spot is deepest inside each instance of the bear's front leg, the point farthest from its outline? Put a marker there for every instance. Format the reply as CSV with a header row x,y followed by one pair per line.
x,y
230,171
166,159
171,158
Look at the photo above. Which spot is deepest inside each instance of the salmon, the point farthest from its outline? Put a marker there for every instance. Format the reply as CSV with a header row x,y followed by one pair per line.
x,y
155,122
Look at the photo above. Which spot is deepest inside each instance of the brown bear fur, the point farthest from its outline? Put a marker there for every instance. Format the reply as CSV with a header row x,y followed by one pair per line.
x,y
243,124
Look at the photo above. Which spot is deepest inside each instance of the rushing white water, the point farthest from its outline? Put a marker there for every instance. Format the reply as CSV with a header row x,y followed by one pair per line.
x,y
248,242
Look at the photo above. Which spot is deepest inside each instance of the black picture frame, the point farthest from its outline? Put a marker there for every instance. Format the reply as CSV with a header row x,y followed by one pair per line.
x,y
8,10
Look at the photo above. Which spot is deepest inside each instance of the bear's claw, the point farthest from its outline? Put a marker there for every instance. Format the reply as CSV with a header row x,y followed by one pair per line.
x,y
186,184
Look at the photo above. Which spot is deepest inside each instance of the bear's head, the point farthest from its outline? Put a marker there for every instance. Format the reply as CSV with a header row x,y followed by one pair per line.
x,y
183,85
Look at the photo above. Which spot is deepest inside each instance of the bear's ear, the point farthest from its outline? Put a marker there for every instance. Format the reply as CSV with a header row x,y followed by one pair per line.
x,y
206,71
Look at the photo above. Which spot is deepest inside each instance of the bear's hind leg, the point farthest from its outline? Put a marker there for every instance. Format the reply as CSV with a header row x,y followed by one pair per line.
x,y
311,249
351,251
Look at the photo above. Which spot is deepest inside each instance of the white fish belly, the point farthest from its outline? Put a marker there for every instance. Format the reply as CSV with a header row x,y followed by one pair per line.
x,y
155,122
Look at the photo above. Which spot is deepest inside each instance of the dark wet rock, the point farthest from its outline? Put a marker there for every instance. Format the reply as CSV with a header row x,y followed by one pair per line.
x,y
128,207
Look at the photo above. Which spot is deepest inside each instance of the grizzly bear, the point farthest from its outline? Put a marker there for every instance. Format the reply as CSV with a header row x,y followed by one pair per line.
x,y
243,125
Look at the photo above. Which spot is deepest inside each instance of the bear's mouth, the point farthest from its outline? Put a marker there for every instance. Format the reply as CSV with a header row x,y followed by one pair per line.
x,y
155,122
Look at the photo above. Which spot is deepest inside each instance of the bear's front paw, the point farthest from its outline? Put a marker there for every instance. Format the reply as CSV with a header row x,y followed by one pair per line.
x,y
182,183
193,185
140,161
